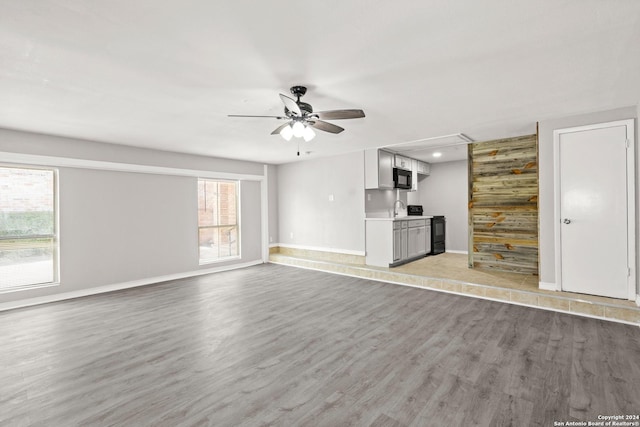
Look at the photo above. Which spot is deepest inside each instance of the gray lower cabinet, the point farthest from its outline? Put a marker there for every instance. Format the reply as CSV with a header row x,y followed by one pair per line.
x,y
397,241
415,242
419,238
394,242
400,240
403,236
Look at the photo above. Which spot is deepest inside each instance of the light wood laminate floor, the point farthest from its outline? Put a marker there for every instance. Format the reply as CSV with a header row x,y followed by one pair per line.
x,y
455,266
277,345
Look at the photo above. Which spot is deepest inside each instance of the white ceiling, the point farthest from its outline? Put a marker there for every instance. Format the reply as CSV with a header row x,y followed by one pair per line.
x,y
164,74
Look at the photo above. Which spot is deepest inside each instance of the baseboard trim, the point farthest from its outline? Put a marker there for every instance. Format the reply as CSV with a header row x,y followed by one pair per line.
x,y
546,286
321,249
119,286
456,252
638,300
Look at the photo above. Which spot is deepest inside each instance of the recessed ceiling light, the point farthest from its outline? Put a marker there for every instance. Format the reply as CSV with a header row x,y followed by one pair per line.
x,y
437,154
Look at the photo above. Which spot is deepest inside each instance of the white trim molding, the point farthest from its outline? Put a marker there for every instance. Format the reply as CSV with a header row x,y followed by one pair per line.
x,y
638,300
119,286
449,251
546,286
320,249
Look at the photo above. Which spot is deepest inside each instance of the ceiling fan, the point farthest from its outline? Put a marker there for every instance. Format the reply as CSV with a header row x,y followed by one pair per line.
x,y
301,117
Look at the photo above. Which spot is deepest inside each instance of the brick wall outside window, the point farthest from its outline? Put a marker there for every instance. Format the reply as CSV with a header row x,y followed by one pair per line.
x,y
218,219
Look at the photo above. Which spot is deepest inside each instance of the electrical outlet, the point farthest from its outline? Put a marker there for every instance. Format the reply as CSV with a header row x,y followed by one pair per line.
x,y
368,197
331,198
270,239
291,234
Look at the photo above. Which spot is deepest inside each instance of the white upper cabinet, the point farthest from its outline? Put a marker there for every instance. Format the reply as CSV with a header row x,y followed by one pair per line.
x,y
424,168
402,162
378,169
414,174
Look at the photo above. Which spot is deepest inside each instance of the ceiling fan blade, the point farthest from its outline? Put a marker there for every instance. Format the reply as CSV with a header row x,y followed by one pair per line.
x,y
268,117
291,105
279,128
339,114
325,126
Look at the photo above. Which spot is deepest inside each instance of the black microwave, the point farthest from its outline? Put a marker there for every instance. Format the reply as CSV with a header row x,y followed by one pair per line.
x,y
401,179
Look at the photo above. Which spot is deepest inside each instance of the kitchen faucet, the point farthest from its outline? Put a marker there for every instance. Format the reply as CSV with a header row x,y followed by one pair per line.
x,y
395,211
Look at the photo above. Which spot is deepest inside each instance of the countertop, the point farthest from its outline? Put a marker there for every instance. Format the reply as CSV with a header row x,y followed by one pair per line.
x,y
399,218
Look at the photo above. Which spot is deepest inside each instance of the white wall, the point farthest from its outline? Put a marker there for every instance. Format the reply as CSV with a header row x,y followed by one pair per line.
x,y
305,210
118,226
546,181
445,192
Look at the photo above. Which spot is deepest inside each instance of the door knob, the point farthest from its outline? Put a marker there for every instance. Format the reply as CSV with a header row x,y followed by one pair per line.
x,y
567,221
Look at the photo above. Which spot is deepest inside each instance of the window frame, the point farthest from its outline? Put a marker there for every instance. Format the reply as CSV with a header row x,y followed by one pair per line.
x,y
55,237
237,224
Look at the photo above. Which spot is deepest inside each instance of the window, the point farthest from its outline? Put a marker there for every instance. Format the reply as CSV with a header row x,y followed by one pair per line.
x,y
28,240
218,228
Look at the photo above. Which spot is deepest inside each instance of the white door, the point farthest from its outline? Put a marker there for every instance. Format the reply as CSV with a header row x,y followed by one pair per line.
x,y
593,211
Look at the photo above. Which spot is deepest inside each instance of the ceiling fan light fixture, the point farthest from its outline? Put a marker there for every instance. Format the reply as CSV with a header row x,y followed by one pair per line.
x,y
308,134
286,133
302,121
298,129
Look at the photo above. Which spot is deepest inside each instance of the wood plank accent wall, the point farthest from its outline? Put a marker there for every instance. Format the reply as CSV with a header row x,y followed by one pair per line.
x,y
503,204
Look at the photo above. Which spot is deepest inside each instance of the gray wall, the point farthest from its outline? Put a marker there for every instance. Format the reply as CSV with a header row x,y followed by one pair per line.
x,y
47,145
118,227
272,174
305,210
546,159
380,202
250,223
445,192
